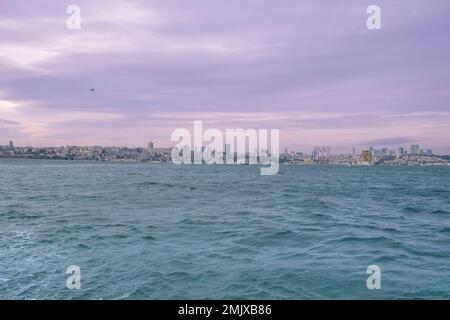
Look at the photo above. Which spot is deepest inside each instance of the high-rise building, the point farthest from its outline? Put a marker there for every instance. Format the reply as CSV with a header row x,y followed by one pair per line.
x,y
11,144
401,152
429,152
151,145
415,148
321,153
366,156
228,155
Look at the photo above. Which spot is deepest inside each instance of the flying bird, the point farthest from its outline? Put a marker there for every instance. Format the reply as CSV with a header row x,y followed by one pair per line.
x,y
91,89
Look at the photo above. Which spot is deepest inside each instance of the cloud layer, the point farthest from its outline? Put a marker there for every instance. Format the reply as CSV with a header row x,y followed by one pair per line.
x,y
313,70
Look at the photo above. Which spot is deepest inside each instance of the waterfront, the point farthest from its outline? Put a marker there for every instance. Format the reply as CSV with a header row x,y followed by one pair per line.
x,y
162,231
321,155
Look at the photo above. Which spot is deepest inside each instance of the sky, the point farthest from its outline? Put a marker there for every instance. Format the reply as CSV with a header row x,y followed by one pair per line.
x,y
311,69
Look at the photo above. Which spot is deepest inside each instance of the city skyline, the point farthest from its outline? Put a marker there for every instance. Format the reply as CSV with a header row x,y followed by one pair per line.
x,y
400,150
320,156
315,72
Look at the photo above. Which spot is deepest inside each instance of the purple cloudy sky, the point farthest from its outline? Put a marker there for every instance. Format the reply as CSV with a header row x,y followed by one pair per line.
x,y
310,68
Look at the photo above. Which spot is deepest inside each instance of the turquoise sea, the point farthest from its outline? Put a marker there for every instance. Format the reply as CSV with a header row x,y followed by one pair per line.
x,y
156,231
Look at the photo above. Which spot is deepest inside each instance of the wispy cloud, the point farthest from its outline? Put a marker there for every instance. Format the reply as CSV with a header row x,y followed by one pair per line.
x,y
8,122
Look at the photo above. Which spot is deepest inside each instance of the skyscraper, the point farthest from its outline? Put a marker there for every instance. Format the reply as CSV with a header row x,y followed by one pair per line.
x,y
321,153
414,149
229,156
11,144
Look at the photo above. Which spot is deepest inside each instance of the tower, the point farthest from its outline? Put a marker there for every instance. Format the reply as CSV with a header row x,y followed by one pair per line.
x,y
415,149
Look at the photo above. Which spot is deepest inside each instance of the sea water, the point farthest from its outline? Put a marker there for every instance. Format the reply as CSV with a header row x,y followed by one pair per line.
x,y
160,231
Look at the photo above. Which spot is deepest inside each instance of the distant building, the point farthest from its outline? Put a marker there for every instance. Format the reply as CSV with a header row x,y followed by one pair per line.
x,y
11,144
366,156
401,152
228,156
227,149
151,145
321,153
429,152
415,149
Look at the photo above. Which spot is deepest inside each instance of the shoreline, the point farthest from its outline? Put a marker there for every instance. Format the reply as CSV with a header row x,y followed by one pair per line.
x,y
169,162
